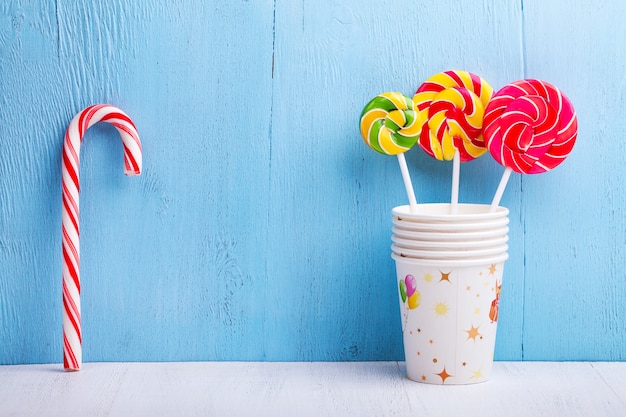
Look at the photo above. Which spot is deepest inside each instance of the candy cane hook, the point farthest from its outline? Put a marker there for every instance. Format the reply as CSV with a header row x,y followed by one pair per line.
x,y
72,337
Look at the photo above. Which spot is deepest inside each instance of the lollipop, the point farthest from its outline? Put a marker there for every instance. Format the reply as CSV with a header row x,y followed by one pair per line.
x,y
530,128
389,126
451,106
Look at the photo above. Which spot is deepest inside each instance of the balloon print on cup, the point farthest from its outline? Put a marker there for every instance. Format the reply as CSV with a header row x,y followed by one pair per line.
x,y
409,293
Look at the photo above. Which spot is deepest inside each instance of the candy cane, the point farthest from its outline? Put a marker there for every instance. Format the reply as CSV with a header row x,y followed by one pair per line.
x,y
72,338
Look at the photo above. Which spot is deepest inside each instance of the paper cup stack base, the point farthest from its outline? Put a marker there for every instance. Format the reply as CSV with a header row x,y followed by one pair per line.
x,y
449,289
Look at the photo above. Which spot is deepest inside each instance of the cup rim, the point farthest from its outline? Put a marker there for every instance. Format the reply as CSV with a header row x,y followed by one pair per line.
x,y
449,236
450,254
404,211
448,227
488,260
418,244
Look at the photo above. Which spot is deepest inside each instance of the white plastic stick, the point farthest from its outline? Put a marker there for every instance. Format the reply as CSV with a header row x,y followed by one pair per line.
x,y
407,183
503,181
456,168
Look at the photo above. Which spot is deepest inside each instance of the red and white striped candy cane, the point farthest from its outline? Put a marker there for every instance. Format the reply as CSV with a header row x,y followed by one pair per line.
x,y
72,338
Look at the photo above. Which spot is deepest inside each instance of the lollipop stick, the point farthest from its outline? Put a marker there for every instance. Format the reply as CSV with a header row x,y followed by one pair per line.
x,y
496,198
407,183
456,168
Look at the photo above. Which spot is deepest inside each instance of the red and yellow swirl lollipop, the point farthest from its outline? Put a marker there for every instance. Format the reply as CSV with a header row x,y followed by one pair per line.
x,y
451,107
389,125
530,128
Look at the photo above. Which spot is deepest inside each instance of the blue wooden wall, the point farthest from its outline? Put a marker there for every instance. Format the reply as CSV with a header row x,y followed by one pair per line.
x,y
260,227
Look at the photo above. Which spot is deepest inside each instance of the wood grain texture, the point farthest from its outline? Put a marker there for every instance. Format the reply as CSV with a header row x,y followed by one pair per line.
x,y
575,218
260,227
308,389
336,217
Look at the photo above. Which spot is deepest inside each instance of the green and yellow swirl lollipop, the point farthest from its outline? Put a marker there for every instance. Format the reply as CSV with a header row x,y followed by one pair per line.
x,y
389,125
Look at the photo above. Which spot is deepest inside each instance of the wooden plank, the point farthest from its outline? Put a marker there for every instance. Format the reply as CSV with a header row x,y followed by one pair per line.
x,y
308,389
175,251
260,226
527,388
268,389
333,292
614,378
575,215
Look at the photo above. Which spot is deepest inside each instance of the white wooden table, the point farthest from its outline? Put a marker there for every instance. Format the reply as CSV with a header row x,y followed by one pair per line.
x,y
308,389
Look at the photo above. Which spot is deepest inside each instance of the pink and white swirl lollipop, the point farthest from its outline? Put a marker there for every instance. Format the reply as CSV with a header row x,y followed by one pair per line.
x,y
530,128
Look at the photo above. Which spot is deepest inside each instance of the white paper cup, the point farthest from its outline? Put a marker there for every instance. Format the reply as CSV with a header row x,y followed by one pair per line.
x,y
451,236
465,253
450,227
440,212
449,314
447,245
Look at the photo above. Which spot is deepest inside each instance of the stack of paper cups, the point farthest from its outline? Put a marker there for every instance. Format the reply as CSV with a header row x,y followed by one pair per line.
x,y
449,271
